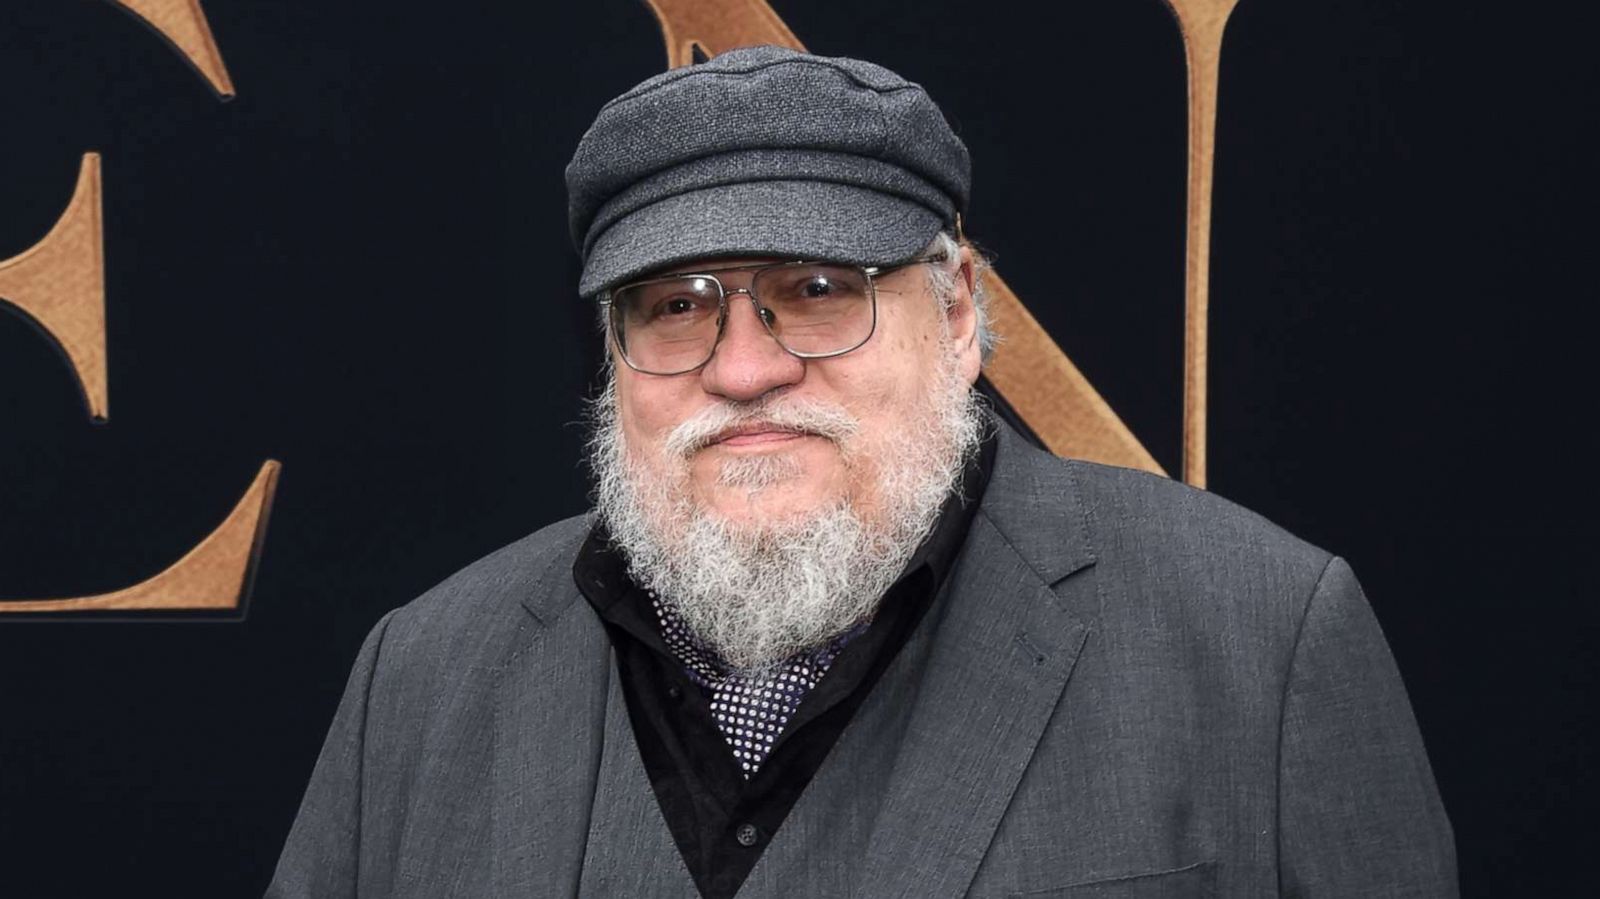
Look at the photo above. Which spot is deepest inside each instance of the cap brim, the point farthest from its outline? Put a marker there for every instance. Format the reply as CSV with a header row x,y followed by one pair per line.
x,y
785,219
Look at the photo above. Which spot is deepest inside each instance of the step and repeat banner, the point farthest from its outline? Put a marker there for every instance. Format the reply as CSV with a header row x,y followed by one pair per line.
x,y
289,331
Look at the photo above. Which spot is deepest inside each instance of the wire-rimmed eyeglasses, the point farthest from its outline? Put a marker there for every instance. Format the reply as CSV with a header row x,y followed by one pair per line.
x,y
672,324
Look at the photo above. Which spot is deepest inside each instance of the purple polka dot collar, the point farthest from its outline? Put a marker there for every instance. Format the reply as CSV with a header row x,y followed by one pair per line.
x,y
751,712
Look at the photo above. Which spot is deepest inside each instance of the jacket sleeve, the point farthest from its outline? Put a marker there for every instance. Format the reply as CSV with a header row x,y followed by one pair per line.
x,y
1358,811
322,856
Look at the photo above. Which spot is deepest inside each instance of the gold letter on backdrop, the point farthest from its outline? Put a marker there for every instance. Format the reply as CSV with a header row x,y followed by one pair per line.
x,y
1202,23
214,575
717,26
59,284
183,24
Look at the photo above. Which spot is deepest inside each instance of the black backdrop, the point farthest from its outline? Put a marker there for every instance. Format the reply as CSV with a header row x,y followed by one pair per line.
x,y
359,267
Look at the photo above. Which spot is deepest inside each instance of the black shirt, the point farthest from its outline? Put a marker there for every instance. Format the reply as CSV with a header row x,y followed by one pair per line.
x,y
720,820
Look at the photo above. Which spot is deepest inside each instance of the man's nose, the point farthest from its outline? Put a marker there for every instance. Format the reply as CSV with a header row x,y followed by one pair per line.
x,y
748,363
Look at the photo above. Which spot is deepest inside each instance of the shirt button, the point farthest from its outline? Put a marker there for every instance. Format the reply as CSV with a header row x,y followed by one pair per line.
x,y
674,692
748,835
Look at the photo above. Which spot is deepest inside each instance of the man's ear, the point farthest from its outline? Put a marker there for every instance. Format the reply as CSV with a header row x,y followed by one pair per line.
x,y
963,317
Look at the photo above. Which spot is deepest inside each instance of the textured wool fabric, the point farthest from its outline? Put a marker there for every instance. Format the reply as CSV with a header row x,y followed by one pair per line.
x,y
763,151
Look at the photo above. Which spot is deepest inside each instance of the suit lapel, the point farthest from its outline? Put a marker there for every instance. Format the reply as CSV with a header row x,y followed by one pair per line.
x,y
1004,650
550,707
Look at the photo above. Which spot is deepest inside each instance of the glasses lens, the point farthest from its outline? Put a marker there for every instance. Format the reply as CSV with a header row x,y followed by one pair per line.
x,y
816,308
668,325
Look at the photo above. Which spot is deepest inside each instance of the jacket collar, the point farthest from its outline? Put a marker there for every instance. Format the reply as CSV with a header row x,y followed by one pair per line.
x,y
1034,501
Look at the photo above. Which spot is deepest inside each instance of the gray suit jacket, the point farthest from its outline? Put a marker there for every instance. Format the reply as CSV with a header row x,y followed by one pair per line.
x,y
1132,689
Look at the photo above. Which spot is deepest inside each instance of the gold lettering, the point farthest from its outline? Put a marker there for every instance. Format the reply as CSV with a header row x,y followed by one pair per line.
x,y
1048,391
215,575
717,26
59,283
183,24
1202,23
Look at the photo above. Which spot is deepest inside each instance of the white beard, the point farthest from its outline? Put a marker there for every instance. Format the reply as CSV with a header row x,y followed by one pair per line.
x,y
757,594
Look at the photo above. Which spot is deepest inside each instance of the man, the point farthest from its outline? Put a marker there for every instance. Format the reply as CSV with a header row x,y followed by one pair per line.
x,y
832,629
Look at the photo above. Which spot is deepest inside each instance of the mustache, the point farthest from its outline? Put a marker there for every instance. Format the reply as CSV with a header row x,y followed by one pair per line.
x,y
816,417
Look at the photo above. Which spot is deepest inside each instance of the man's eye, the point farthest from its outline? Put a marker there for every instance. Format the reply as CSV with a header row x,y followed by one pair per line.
x,y
677,304
815,288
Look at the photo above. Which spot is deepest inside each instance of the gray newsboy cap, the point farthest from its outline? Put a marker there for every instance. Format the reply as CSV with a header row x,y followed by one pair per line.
x,y
763,151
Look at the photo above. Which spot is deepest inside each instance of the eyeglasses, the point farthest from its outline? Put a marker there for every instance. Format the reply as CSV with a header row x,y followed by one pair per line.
x,y
814,310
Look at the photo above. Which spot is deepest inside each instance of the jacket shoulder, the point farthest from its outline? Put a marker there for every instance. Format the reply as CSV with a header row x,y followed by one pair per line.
x,y
1194,554
470,611
1158,515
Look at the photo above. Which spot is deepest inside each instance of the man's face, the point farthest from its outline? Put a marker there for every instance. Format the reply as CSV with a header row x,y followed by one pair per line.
x,y
757,472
